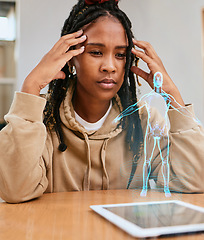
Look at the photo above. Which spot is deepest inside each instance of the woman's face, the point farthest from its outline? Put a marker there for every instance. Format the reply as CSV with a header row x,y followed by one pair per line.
x,y
101,68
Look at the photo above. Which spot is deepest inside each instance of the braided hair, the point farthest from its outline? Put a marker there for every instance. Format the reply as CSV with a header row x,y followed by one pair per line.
x,y
81,15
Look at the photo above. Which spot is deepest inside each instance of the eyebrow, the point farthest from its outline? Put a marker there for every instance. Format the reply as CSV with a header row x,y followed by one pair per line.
x,y
103,45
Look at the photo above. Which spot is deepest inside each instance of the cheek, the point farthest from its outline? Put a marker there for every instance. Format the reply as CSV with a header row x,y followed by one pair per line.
x,y
82,64
122,66
122,71
122,74
78,66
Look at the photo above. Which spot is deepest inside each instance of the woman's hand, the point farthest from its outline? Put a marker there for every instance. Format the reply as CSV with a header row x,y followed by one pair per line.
x,y
154,63
51,64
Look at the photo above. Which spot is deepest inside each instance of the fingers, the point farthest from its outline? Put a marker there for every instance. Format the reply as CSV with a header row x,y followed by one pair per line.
x,y
50,66
140,72
142,55
65,46
67,37
61,52
72,53
73,35
154,63
62,47
60,75
147,47
149,56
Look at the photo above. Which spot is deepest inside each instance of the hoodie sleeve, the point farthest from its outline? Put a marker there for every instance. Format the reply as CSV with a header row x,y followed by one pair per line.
x,y
22,142
186,153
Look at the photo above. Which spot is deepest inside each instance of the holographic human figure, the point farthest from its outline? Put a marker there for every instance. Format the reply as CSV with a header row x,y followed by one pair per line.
x,y
154,132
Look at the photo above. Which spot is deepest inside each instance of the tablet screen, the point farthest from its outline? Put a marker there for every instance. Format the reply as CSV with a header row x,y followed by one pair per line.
x,y
158,215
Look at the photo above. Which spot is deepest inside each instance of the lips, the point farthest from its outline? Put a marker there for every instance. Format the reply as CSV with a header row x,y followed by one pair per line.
x,y
107,83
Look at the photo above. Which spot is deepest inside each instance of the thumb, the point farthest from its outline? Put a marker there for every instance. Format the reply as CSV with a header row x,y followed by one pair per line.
x,y
60,75
140,72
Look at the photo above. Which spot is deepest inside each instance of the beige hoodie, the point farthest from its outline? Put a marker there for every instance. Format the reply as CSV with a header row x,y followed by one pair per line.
x,y
31,164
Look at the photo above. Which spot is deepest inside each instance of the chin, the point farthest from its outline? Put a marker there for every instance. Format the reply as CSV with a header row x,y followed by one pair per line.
x,y
106,97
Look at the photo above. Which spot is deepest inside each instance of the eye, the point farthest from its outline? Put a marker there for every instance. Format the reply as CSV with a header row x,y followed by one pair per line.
x,y
121,55
96,53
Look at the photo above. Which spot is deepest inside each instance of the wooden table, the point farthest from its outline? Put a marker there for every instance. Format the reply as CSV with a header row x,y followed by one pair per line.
x,y
68,216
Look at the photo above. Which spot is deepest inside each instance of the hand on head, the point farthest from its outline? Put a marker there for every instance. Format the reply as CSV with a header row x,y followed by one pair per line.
x,y
146,52
50,67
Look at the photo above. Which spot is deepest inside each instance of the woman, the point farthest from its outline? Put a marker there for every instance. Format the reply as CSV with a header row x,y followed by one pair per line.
x,y
78,147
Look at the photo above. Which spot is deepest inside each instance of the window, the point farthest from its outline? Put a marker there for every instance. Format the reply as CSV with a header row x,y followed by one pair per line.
x,y
7,55
7,21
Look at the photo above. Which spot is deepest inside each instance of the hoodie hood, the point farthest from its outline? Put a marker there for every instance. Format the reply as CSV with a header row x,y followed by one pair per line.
x,y
108,130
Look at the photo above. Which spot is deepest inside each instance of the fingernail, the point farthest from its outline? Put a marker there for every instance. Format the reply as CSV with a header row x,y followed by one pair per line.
x,y
83,37
80,31
82,48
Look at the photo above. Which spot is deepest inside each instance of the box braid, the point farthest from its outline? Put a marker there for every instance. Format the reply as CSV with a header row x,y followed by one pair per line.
x,y
81,15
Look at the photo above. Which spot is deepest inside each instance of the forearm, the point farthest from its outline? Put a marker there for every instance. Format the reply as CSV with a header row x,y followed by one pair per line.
x,y
186,155
186,152
174,98
22,169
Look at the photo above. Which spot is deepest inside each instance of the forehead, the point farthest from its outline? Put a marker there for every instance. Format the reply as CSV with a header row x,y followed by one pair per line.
x,y
106,29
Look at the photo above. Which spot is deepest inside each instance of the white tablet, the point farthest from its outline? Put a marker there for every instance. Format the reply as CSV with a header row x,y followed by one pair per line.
x,y
150,219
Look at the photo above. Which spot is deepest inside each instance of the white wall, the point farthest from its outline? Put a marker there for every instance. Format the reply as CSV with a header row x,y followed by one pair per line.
x,y
173,27
39,28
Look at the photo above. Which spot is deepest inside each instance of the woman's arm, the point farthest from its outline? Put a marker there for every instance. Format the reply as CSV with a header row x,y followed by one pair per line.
x,y
22,141
186,135
52,63
154,63
23,151
186,153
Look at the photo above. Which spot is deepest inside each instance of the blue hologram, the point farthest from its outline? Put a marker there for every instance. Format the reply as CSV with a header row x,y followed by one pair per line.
x,y
156,132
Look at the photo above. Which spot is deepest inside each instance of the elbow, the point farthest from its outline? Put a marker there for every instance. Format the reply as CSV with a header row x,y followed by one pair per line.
x,y
186,186
12,199
16,196
23,190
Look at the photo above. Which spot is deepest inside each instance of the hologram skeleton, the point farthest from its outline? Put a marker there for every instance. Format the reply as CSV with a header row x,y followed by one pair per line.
x,y
155,132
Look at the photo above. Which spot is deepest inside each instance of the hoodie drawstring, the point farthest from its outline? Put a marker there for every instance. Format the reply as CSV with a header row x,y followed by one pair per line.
x,y
86,182
105,182
87,176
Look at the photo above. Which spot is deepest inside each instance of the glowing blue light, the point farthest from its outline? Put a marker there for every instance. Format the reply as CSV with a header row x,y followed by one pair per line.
x,y
156,132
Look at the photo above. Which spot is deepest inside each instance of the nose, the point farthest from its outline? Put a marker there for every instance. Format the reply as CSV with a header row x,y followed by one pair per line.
x,y
108,65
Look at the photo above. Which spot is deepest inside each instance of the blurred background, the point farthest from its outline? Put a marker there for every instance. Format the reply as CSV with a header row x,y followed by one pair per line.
x,y
29,29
